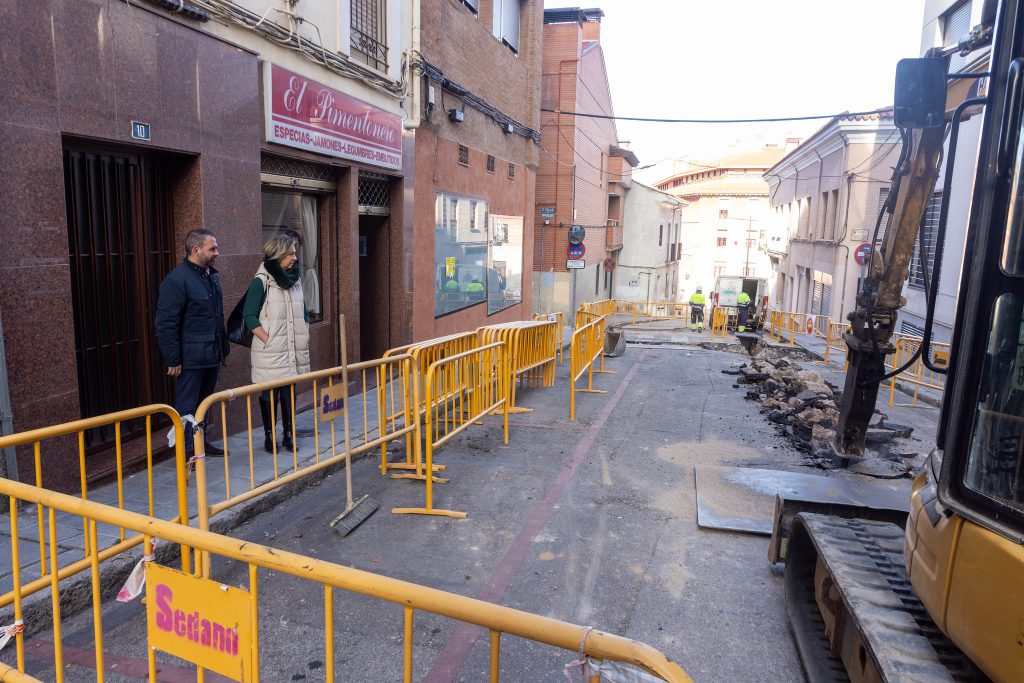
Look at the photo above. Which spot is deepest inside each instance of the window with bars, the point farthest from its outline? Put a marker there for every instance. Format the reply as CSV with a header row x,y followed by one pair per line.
x,y
463,155
908,329
490,163
720,241
719,270
370,33
883,196
930,224
511,171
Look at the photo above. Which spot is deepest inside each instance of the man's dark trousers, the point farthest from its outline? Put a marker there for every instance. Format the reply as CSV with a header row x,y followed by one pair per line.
x,y
191,388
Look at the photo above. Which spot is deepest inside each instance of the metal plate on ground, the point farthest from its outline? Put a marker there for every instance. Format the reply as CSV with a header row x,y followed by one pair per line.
x,y
743,498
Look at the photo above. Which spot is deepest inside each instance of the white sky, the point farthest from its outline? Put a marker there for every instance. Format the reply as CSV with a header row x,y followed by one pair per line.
x,y
711,59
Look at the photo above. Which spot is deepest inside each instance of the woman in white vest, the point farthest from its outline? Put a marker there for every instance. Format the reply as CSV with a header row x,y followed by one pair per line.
x,y
276,313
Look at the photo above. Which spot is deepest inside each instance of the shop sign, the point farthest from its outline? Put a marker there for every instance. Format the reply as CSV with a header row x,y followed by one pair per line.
x,y
200,621
308,115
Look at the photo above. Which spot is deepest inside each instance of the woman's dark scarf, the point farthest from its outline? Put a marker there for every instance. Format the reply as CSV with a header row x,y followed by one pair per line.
x,y
285,279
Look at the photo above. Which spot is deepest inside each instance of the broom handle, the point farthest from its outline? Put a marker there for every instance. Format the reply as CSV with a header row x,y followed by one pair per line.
x,y
344,380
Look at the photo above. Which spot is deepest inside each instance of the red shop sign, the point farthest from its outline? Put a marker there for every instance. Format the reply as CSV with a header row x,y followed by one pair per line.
x,y
303,113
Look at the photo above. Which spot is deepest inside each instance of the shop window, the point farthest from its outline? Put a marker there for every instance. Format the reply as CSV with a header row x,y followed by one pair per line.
x,y
505,263
298,214
460,252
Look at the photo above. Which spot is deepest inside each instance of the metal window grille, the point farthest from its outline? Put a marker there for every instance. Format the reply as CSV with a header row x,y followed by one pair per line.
x,y
931,227
464,155
369,33
374,193
511,171
490,163
294,168
910,329
883,196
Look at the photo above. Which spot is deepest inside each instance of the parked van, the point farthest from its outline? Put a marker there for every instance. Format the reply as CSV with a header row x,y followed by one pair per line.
x,y
728,288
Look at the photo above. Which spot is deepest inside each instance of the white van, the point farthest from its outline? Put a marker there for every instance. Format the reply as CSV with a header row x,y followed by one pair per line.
x,y
728,288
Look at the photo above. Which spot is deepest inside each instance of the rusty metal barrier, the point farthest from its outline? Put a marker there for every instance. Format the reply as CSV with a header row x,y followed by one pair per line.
x,y
459,391
325,577
719,320
917,374
532,354
58,438
586,347
558,318
377,431
423,354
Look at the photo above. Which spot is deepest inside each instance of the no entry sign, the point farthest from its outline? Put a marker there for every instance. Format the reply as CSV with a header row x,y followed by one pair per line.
x,y
862,252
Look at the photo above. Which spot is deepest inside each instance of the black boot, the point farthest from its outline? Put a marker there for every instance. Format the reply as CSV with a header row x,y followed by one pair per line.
x,y
268,432
286,418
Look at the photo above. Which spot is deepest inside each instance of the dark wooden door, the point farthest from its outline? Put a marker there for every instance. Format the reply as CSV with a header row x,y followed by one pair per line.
x,y
120,248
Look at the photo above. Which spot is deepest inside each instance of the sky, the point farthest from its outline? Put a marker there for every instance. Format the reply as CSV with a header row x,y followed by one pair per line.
x,y
729,59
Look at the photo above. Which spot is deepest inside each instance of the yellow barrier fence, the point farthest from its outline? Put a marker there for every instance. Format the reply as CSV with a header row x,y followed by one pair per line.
x,y
835,341
460,391
242,483
601,307
586,347
917,374
334,582
719,320
583,317
54,442
559,319
532,354
821,323
423,354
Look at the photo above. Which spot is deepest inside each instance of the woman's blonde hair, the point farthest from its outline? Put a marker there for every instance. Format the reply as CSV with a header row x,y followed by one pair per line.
x,y
277,248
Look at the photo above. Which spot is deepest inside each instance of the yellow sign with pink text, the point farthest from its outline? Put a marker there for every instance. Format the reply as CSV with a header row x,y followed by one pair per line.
x,y
332,402
199,620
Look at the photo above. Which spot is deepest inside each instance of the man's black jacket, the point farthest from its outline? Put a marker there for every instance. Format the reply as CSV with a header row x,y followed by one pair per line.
x,y
190,318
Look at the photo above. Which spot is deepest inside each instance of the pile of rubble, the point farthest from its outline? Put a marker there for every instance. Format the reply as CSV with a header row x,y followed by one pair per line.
x,y
805,407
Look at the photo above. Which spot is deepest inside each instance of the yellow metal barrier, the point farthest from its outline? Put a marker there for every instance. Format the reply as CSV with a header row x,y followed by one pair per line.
x,y
719,320
584,316
586,347
917,374
55,441
601,307
461,390
821,323
532,352
423,354
559,319
377,431
326,577
835,342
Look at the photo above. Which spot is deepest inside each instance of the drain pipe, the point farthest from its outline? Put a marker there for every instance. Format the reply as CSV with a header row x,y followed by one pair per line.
x,y
9,462
415,79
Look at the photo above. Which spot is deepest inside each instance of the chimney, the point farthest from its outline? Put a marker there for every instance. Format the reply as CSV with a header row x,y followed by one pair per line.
x,y
591,24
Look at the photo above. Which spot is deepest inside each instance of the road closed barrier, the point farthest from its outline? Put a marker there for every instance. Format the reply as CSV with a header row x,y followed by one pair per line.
x,y
586,348
532,349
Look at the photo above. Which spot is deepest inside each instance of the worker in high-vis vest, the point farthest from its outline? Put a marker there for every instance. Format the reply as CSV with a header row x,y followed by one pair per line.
x,y
697,310
743,304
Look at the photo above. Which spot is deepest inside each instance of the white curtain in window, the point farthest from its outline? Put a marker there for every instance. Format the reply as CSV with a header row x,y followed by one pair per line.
x,y
310,240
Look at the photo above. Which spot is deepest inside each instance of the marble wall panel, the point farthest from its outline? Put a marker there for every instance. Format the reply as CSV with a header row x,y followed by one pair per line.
x,y
30,84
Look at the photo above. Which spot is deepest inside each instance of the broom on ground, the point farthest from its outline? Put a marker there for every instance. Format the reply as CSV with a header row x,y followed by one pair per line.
x,y
356,512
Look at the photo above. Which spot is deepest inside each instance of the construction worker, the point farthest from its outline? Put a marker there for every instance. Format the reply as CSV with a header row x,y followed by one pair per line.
x,y
743,304
697,301
475,287
452,285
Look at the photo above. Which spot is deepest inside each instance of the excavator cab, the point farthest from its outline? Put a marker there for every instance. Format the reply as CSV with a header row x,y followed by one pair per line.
x,y
865,597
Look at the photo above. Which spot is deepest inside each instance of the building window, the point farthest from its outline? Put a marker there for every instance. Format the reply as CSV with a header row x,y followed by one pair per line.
x,y
823,215
751,243
883,197
723,214
490,163
299,215
748,271
911,330
956,24
720,242
930,225
506,22
661,234
464,155
505,263
473,5
460,252
719,270
833,220
511,171
821,293
370,33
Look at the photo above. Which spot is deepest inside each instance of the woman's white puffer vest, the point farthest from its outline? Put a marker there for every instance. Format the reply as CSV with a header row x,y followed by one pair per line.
x,y
283,318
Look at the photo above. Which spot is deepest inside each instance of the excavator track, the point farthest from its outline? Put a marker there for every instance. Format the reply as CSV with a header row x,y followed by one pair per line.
x,y
853,611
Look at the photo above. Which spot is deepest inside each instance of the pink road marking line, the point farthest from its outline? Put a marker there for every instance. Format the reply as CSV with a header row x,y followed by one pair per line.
x,y
454,655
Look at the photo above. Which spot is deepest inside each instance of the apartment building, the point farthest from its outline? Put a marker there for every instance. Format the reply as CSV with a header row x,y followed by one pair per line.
x,y
648,264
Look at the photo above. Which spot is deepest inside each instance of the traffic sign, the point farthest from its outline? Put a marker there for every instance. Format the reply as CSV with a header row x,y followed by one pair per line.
x,y
575,264
576,250
861,253
577,234
810,325
609,263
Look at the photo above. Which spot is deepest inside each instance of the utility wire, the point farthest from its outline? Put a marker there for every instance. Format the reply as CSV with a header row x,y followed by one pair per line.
x,y
766,120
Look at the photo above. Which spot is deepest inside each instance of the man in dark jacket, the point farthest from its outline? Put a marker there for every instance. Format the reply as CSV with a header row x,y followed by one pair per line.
x,y
190,326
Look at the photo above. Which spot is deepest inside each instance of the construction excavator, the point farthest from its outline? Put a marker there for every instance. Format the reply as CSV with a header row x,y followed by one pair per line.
x,y
940,598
